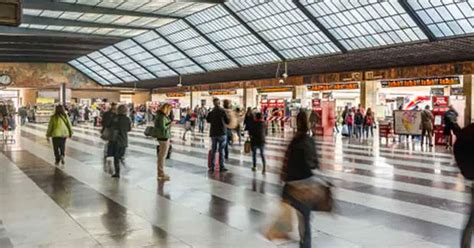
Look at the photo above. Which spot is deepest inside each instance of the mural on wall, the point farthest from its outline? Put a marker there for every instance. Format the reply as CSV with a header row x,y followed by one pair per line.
x,y
44,75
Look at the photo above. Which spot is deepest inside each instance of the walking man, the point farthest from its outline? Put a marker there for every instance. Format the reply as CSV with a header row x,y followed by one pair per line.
x,y
202,114
218,120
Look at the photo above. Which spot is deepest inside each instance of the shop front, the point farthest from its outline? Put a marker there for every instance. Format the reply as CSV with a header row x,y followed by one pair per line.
x,y
342,94
236,97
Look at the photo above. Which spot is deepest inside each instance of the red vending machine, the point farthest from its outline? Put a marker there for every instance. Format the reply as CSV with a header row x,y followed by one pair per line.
x,y
440,106
325,110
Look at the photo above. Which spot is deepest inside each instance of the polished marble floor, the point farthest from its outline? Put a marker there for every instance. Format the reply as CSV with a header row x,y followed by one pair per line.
x,y
387,195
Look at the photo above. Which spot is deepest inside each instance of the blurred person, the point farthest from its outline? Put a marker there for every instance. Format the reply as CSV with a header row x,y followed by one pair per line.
x,y
450,126
249,120
163,128
232,125
59,129
359,122
87,113
344,114
369,121
202,114
238,128
218,120
314,119
300,159
189,122
74,112
257,140
427,119
108,116
121,125
23,113
349,120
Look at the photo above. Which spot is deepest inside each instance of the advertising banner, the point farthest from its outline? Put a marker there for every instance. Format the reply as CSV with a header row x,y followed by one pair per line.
x,y
440,101
407,122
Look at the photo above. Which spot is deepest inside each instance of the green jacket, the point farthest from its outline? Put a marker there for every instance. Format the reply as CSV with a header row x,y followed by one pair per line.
x,y
162,127
59,127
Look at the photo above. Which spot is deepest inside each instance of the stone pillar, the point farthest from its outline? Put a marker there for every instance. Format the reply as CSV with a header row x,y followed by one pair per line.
x,y
195,98
250,98
141,98
28,96
300,93
368,94
468,93
62,94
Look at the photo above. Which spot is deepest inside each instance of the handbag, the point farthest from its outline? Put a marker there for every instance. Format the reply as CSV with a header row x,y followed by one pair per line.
x,y
313,192
345,130
247,146
149,131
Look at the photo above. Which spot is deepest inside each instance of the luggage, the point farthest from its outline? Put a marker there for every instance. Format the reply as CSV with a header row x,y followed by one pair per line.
x,y
150,131
463,151
216,161
313,192
345,130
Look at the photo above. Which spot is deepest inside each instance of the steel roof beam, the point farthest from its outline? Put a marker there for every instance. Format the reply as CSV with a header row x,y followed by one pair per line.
x,y
87,76
179,49
212,42
39,20
59,6
48,46
412,13
136,62
251,30
156,57
118,65
42,51
50,34
105,68
320,26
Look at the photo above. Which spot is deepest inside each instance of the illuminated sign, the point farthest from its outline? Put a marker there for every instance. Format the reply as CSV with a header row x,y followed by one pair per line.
x,y
335,86
222,92
420,82
178,94
457,91
275,89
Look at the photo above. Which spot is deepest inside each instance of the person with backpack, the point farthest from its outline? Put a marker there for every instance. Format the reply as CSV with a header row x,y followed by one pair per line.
x,y
427,126
369,122
257,140
300,159
59,129
163,135
450,126
349,120
359,122
121,125
202,114
464,156
218,120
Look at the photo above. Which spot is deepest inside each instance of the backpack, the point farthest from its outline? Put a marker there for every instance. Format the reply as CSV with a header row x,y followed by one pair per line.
x,y
349,119
463,151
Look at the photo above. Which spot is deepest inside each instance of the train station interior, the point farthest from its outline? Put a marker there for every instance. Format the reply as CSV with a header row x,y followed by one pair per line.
x,y
246,124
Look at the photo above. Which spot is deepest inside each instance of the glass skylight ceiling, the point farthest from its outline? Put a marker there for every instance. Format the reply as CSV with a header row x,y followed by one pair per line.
x,y
224,30
364,24
162,7
144,58
285,27
112,67
88,72
446,18
131,21
166,52
127,63
87,30
197,47
99,70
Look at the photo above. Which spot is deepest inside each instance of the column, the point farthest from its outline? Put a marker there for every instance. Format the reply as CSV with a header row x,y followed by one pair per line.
x,y
62,94
468,93
250,97
368,94
300,93
195,98
28,97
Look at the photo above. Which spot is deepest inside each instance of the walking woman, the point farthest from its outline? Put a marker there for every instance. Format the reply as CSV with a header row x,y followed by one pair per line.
x,y
59,129
163,134
248,120
369,122
121,125
257,140
301,158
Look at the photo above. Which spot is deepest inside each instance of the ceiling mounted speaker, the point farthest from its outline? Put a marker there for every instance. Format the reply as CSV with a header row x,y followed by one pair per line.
x,y
10,12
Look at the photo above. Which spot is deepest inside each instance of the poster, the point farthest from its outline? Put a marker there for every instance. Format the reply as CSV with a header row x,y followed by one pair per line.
x,y
407,122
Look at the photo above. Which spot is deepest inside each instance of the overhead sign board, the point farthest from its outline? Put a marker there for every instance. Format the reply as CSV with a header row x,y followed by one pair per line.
x,y
222,92
275,89
10,12
177,94
334,86
420,82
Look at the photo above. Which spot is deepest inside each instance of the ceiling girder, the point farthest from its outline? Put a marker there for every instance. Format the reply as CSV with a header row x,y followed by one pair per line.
x,y
39,20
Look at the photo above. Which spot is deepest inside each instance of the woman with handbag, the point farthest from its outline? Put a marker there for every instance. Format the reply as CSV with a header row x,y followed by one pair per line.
x,y
59,129
163,134
257,140
300,159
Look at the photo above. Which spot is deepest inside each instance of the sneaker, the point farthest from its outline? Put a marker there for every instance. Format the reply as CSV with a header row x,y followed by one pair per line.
x,y
264,169
116,176
254,168
62,160
56,163
164,178
223,169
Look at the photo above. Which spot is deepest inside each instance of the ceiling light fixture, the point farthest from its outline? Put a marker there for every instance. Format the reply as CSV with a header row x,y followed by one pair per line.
x,y
180,83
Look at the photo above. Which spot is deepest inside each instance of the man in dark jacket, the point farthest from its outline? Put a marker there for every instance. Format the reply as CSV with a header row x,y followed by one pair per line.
x,y
121,125
218,120
109,116
257,140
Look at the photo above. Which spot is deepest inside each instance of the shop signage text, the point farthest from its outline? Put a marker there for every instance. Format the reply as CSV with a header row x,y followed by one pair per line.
x,y
440,101
273,90
420,82
179,94
222,92
457,91
336,86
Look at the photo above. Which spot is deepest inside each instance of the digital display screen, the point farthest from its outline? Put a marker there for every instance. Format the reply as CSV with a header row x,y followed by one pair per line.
x,y
335,86
420,82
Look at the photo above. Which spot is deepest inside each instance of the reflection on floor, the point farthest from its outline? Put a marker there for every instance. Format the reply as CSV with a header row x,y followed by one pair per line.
x,y
387,195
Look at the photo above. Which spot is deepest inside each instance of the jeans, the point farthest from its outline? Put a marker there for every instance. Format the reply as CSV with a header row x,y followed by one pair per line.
x,y
358,131
163,152
202,124
367,129
227,143
23,120
428,133
254,154
117,151
59,148
350,129
218,142
467,232
304,219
